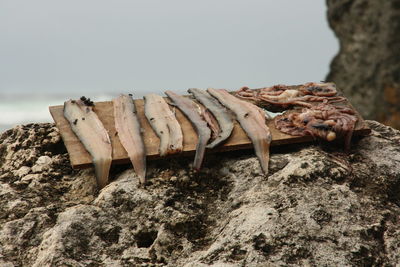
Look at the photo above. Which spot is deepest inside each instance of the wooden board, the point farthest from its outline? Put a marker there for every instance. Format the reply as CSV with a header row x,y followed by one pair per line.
x,y
80,158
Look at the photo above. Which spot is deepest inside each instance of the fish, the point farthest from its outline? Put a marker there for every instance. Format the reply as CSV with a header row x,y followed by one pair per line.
x,y
190,109
283,96
164,124
91,132
211,122
129,131
252,119
319,89
324,120
221,114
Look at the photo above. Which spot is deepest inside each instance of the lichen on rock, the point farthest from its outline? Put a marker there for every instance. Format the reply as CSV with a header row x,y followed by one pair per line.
x,y
318,206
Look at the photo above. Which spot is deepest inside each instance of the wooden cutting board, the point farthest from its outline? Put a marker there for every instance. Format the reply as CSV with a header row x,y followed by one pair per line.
x,y
80,158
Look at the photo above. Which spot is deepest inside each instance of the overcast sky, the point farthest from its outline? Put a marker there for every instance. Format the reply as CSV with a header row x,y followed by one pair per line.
x,y
153,45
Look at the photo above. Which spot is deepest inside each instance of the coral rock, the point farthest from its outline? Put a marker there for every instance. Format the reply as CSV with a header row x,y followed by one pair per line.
x,y
318,206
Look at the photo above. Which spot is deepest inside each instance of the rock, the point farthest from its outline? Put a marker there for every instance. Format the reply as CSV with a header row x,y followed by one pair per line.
x,y
317,207
6,264
24,170
367,67
42,164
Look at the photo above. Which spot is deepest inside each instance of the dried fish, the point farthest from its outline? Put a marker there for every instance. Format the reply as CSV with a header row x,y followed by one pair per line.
x,y
128,128
164,123
91,132
211,122
223,117
190,109
252,120
319,89
325,121
284,96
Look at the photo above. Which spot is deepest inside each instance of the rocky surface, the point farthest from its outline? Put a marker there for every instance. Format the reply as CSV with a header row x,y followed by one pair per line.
x,y
367,67
317,207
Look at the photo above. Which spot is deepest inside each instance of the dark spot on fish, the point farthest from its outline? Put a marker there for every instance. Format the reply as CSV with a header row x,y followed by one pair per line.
x,y
75,121
314,89
73,101
87,101
130,95
83,119
116,133
246,115
151,119
321,126
161,132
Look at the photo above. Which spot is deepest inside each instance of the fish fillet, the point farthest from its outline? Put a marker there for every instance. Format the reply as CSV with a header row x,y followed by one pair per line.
x,y
252,120
129,132
164,123
224,119
91,132
211,122
190,109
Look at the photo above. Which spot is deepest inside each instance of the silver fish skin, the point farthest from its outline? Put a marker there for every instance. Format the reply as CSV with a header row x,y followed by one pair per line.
x,y
91,132
129,132
164,124
221,114
252,120
190,109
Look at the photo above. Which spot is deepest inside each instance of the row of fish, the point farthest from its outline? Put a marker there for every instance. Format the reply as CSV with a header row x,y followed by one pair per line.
x,y
212,121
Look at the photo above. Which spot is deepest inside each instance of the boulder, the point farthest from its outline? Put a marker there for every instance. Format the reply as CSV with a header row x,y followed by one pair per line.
x,y
367,67
318,206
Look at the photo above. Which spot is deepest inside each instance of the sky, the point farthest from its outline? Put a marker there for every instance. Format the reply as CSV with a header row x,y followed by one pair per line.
x,y
93,47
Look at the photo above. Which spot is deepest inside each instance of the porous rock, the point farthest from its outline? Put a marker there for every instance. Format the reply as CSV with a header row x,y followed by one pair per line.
x,y
367,66
317,207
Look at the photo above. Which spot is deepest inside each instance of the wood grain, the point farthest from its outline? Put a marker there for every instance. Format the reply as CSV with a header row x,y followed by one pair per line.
x,y
80,158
